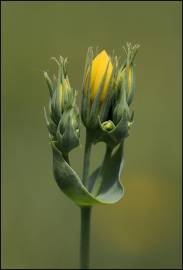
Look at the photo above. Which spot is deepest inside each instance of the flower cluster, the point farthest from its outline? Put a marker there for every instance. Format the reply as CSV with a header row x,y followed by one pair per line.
x,y
107,91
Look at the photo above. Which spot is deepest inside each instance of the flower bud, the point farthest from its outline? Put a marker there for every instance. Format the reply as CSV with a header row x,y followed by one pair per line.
x,y
64,117
126,74
108,90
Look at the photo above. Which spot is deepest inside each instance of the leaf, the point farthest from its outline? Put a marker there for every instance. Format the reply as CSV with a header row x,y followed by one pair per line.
x,y
107,177
71,184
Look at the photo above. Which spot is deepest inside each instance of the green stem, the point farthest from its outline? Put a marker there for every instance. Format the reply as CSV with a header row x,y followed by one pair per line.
x,y
85,211
86,161
85,237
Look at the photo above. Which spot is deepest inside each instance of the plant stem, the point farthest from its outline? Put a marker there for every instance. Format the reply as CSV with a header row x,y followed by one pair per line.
x,y
85,211
86,161
85,237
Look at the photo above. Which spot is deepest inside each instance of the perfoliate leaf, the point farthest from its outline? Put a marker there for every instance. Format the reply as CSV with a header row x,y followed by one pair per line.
x,y
70,183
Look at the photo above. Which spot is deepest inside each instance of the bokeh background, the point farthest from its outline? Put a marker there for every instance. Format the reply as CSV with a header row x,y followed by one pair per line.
x,y
40,225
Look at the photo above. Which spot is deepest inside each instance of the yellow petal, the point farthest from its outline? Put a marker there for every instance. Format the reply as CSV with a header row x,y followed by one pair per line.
x,y
98,69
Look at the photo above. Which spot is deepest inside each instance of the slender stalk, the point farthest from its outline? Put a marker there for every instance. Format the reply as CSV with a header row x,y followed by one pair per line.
x,y
85,211
86,161
85,237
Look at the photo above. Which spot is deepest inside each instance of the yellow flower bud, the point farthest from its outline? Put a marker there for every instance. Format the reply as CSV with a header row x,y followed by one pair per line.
x,y
108,90
64,89
99,66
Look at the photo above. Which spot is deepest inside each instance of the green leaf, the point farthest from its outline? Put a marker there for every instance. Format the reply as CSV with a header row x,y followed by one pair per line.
x,y
71,184
104,182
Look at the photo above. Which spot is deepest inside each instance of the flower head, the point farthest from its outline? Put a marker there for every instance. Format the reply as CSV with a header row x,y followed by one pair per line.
x,y
64,118
108,90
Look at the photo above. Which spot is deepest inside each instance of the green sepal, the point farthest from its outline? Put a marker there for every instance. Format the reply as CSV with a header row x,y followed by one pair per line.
x,y
68,132
52,127
132,92
71,184
117,134
49,83
110,133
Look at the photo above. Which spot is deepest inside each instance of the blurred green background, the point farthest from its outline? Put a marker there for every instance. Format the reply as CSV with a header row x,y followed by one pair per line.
x,y
40,225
